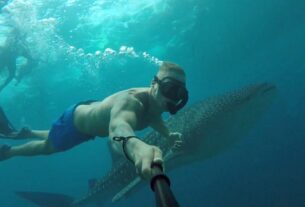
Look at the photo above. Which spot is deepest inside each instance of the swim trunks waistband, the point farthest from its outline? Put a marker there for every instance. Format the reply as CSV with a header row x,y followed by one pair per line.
x,y
63,134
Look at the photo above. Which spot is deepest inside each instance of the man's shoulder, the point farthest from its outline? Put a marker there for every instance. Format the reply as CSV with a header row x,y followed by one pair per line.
x,y
133,97
132,94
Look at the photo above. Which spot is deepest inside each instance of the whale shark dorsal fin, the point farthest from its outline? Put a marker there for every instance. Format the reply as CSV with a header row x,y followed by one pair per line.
x,y
121,194
115,157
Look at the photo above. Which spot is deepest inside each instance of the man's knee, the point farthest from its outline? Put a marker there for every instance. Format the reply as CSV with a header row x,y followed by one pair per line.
x,y
48,147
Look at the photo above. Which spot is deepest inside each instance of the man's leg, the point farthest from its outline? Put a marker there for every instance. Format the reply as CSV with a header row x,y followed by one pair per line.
x,y
32,148
26,133
39,134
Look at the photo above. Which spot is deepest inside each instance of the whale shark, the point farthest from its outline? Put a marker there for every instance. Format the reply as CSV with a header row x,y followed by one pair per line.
x,y
209,128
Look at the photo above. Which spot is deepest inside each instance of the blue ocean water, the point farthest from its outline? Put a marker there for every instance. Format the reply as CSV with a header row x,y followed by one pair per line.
x,y
92,48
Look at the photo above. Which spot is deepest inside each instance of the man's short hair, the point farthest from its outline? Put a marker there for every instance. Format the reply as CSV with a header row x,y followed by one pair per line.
x,y
169,67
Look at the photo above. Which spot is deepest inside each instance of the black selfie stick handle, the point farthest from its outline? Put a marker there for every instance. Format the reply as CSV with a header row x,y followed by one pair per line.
x,y
160,184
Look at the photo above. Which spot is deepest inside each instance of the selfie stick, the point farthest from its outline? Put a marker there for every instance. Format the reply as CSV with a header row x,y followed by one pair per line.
x,y
160,184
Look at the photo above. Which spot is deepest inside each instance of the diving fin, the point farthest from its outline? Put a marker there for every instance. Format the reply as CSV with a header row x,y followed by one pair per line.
x,y
5,125
7,130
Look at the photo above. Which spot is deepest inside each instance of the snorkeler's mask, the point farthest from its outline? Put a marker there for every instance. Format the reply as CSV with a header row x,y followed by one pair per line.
x,y
175,91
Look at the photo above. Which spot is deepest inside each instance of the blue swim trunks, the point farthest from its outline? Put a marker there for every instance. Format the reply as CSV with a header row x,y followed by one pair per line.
x,y
63,134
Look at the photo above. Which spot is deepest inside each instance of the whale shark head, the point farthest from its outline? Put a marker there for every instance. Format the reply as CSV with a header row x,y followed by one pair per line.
x,y
212,126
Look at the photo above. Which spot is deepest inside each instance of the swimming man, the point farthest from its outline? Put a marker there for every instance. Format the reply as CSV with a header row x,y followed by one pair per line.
x,y
118,117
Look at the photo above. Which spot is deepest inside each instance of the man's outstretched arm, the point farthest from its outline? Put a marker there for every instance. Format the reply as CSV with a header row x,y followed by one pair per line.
x,y
122,124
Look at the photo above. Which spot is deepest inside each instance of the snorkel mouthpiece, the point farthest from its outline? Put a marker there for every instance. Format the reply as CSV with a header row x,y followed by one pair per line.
x,y
173,108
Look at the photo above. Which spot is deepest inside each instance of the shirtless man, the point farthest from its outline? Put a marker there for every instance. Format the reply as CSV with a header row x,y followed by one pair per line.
x,y
118,117
9,52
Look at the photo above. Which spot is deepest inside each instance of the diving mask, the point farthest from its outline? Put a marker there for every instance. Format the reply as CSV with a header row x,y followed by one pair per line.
x,y
175,91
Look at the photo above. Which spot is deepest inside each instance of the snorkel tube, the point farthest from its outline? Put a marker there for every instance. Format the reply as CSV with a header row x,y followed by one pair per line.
x,y
160,184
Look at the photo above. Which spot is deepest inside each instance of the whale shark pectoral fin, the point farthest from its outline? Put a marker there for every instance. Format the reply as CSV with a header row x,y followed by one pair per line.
x,y
171,154
126,189
47,199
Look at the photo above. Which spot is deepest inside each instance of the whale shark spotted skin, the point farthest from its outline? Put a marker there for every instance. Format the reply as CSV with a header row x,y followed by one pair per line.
x,y
209,128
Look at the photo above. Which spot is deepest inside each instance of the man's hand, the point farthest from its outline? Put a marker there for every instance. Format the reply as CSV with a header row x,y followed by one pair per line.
x,y
175,140
143,156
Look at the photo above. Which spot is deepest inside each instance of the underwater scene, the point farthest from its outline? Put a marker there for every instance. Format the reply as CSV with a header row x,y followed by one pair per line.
x,y
242,125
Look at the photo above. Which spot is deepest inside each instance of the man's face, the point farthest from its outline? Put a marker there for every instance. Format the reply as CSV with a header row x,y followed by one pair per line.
x,y
171,93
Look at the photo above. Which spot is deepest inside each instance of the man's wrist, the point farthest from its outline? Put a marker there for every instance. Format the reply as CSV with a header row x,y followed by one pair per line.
x,y
128,145
131,146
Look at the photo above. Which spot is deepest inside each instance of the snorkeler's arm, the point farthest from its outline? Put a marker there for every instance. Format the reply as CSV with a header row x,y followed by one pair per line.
x,y
25,52
31,62
11,74
123,120
27,67
122,124
174,138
